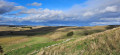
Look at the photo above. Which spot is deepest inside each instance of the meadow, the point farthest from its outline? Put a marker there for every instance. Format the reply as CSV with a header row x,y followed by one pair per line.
x,y
61,40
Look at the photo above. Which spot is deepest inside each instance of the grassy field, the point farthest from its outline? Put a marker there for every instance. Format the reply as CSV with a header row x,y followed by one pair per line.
x,y
59,40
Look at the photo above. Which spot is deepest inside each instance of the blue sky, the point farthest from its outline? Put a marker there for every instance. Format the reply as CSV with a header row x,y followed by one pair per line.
x,y
51,4
60,12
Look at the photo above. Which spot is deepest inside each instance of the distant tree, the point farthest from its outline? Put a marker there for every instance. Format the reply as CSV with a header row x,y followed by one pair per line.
x,y
30,27
1,50
112,26
27,27
11,33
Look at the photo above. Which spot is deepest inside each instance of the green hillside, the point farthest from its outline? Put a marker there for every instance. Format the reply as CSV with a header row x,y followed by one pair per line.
x,y
103,43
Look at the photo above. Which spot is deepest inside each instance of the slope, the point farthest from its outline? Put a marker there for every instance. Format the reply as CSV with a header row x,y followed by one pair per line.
x,y
103,43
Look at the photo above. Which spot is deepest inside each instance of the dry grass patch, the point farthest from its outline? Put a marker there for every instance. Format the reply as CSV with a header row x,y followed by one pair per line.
x,y
5,40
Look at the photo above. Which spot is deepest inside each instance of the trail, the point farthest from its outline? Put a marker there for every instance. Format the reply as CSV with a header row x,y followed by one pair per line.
x,y
36,51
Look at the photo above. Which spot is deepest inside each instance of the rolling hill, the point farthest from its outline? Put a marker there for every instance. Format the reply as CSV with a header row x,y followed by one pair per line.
x,y
103,43
59,40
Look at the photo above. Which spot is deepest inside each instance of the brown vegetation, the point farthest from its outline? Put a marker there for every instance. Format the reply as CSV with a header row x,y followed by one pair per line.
x,y
103,43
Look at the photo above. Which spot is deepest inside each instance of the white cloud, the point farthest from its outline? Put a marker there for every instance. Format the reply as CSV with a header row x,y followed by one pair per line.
x,y
88,14
35,4
110,19
30,11
94,10
105,23
6,7
110,9
42,15
19,7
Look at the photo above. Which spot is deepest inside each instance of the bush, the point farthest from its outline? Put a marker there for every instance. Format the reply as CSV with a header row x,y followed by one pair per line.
x,y
1,50
70,33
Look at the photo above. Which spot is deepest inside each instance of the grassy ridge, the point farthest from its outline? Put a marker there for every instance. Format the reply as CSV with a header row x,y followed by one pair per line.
x,y
104,43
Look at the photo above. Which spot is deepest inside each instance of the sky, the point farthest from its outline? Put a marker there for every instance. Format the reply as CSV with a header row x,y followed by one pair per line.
x,y
60,12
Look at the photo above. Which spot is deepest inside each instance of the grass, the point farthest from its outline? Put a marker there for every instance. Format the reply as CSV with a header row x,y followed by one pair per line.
x,y
12,28
5,40
31,48
81,45
31,41
103,43
86,32
19,42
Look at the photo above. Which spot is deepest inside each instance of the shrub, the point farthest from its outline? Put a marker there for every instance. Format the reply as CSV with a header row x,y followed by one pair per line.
x,y
1,49
70,33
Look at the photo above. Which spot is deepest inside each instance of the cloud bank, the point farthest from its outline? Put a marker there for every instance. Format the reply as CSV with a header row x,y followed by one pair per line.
x,y
92,12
